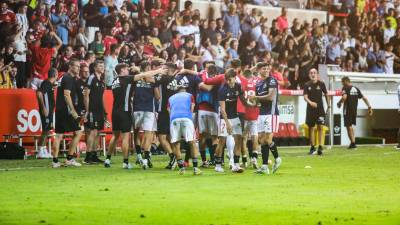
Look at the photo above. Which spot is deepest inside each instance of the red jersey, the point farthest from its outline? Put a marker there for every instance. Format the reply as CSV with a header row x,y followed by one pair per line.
x,y
249,89
108,41
41,61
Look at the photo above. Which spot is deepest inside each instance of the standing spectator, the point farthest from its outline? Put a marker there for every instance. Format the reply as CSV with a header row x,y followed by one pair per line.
x,y
92,16
59,19
23,19
110,62
232,22
41,58
390,57
219,53
247,56
264,41
97,45
282,20
21,49
7,16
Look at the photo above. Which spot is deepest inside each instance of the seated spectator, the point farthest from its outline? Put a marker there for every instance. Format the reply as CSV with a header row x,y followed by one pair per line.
x,y
8,73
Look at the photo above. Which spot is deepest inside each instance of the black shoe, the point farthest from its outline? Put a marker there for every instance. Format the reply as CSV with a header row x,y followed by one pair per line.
x,y
171,163
88,158
149,163
96,159
319,152
312,150
352,146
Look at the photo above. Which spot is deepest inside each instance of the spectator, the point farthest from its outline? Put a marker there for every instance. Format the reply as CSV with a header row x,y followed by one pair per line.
x,y
264,41
232,22
21,49
110,61
59,19
97,45
282,20
219,53
41,58
92,16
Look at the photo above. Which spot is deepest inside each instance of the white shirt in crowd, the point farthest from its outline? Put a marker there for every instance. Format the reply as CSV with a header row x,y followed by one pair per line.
x,y
220,55
389,57
387,34
21,48
23,23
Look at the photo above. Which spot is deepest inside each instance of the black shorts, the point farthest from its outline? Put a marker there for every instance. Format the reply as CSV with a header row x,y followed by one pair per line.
x,y
47,122
121,121
66,123
315,117
95,121
163,123
350,120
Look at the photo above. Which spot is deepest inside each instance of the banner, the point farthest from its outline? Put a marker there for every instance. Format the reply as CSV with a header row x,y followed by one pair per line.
x,y
20,112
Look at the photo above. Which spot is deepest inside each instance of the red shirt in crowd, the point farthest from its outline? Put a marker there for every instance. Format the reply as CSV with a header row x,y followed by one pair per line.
x,y
41,61
282,23
108,41
8,17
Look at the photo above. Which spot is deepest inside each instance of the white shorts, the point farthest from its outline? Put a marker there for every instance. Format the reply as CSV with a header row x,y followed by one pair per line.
x,y
145,121
268,123
251,127
35,83
236,127
208,122
182,129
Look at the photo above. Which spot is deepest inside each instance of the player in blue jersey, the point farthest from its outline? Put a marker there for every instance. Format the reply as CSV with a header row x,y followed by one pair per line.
x,y
181,107
267,95
230,124
144,108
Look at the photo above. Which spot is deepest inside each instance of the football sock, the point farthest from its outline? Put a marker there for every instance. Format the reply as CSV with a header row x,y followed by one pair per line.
x,y
212,152
126,161
138,152
108,156
230,145
147,154
69,157
55,160
203,155
194,160
265,154
218,161
244,159
274,150
236,159
250,146
187,155
254,154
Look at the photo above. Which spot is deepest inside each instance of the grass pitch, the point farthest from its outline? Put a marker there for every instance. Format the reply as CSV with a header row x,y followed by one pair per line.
x,y
342,187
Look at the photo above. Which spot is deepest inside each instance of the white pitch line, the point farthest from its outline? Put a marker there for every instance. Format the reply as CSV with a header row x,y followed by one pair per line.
x,y
21,168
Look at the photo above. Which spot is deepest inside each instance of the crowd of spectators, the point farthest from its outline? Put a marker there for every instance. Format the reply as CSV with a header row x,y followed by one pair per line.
x,y
38,35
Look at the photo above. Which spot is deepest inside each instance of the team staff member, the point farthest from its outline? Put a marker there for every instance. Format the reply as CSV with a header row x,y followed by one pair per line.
x,y
228,95
80,85
122,89
181,107
313,92
350,96
95,110
45,95
67,118
268,120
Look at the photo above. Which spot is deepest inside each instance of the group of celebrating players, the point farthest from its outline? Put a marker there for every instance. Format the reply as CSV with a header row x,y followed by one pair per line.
x,y
237,110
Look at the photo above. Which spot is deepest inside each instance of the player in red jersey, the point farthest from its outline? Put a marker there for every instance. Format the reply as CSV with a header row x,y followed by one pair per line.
x,y
251,113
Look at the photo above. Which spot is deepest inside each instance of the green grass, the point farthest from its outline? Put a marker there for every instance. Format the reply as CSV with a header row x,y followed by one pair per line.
x,y
342,187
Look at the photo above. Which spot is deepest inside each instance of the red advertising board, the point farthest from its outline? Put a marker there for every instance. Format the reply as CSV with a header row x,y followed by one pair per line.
x,y
20,115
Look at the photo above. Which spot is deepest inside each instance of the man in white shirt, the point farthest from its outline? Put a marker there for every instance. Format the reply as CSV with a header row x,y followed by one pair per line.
x,y
219,52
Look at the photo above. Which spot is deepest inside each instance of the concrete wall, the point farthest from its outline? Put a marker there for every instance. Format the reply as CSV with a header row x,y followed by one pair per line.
x,y
211,10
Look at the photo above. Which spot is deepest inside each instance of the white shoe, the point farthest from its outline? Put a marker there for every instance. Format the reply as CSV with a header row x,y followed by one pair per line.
x,y
262,170
107,163
72,162
277,164
144,164
197,171
181,171
219,169
42,154
55,165
254,163
127,166
237,169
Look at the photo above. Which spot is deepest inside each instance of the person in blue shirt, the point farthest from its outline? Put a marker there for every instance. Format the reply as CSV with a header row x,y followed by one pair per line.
x,y
181,107
268,120
230,124
144,114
